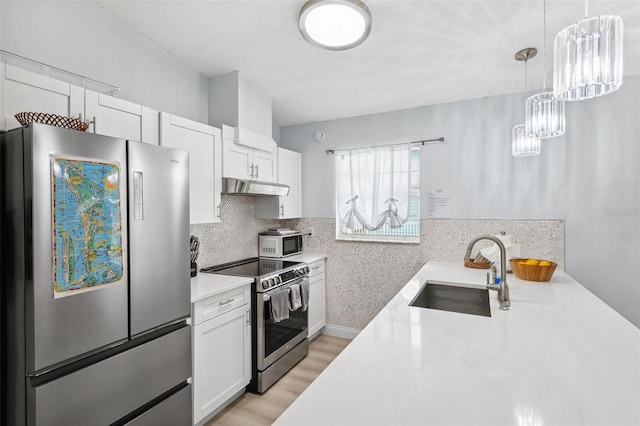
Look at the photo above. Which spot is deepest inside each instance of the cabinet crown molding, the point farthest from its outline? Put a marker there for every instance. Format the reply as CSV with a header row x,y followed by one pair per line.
x,y
249,139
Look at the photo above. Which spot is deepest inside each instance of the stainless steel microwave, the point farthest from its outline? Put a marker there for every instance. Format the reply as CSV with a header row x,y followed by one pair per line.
x,y
279,245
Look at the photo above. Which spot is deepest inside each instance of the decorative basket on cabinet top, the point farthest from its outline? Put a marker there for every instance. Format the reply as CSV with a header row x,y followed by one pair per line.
x,y
25,118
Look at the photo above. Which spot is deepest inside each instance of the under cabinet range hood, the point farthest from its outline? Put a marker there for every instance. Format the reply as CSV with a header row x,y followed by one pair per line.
x,y
234,186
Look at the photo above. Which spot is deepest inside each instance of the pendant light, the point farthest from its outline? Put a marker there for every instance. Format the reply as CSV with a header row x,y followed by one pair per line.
x,y
335,24
587,58
523,145
544,113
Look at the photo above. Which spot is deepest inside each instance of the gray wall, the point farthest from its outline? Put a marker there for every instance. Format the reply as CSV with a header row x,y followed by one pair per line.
x,y
83,38
238,102
223,100
589,177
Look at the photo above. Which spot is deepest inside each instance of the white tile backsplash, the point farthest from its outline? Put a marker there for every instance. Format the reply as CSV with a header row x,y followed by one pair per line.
x,y
362,277
236,236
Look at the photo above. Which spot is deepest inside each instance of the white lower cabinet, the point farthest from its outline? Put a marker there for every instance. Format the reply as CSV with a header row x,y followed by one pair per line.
x,y
317,299
221,351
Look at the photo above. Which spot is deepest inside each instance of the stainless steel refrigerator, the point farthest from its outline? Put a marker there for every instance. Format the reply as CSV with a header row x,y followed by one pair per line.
x,y
95,280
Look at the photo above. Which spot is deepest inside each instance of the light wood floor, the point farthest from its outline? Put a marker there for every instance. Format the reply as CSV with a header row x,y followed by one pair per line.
x,y
254,410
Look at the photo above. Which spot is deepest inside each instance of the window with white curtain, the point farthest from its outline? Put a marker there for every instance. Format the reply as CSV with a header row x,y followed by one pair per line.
x,y
378,194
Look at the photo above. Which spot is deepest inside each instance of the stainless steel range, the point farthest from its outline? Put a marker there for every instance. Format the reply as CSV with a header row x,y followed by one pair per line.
x,y
276,345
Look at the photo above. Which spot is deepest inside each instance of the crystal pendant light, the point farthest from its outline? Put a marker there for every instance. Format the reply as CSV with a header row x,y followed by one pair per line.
x,y
523,145
587,58
544,113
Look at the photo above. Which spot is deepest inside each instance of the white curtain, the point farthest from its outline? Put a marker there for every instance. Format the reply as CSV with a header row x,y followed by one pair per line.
x,y
373,186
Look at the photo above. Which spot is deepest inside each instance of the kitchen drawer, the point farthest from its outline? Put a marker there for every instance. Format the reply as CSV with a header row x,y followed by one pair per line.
x,y
316,267
211,307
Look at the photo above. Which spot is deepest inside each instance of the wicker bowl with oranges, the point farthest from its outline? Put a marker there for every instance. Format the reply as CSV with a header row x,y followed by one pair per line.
x,y
532,269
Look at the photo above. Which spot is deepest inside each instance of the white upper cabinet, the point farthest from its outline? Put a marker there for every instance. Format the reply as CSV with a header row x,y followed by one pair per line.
x,y
265,166
288,206
204,145
249,156
238,160
121,119
25,91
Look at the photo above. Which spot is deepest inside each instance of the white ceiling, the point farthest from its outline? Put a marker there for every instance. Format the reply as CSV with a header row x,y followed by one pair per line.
x,y
418,53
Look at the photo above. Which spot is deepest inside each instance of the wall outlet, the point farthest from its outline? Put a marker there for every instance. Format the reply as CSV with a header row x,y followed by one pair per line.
x,y
462,237
311,232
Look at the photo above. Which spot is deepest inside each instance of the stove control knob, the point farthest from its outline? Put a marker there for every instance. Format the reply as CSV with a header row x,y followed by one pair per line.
x,y
273,281
298,272
278,279
265,284
306,269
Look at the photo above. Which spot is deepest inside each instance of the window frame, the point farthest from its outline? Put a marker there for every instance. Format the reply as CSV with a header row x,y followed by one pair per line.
x,y
364,235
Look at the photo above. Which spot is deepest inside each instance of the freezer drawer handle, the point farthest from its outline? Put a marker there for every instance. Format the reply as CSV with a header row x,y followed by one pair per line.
x,y
226,302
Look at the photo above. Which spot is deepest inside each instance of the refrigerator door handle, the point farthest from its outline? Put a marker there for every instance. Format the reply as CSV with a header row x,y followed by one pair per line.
x,y
138,196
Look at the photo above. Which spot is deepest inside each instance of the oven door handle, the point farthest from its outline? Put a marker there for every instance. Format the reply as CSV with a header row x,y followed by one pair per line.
x,y
266,297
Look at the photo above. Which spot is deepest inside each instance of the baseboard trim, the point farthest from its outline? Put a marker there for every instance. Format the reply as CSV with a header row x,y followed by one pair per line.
x,y
340,331
224,405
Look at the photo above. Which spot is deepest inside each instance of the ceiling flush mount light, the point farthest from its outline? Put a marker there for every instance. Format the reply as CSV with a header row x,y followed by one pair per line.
x,y
587,58
544,113
335,24
523,145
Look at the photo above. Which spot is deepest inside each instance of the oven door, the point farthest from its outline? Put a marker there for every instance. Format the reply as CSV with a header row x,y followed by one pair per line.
x,y
274,339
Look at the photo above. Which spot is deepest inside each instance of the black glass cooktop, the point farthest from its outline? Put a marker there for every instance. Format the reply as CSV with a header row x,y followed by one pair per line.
x,y
254,267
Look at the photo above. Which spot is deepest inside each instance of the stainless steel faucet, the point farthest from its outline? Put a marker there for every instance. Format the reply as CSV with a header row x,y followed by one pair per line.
x,y
502,288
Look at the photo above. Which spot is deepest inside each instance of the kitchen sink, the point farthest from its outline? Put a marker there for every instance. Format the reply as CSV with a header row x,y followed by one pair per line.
x,y
453,298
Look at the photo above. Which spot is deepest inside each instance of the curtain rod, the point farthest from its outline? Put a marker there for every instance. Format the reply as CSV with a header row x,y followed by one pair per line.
x,y
421,142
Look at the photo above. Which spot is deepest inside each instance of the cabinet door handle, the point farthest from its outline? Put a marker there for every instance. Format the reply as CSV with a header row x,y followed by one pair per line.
x,y
219,211
81,118
252,170
249,318
281,209
315,267
226,302
256,171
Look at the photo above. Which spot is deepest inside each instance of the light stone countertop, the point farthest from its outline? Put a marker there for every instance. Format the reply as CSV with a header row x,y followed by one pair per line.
x,y
206,285
559,356
307,257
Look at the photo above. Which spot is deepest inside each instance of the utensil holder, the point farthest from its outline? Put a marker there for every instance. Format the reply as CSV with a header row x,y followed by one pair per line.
x,y
194,269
